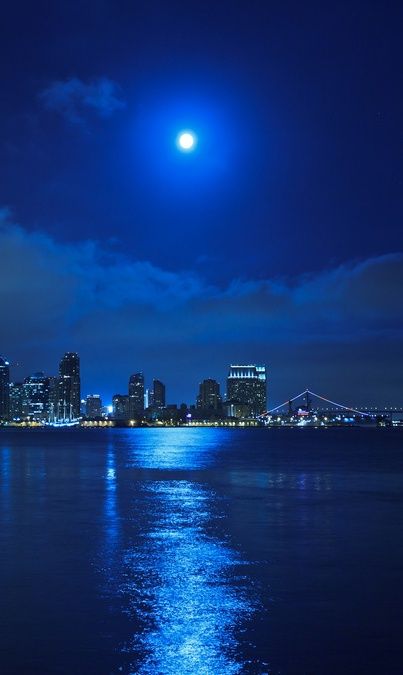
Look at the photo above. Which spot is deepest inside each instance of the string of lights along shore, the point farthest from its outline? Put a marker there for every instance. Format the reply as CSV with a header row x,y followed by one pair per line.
x,y
56,401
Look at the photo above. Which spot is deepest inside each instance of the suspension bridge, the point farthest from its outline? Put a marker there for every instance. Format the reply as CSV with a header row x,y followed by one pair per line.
x,y
307,398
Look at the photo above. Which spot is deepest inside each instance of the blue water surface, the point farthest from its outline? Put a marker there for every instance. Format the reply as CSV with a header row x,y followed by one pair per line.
x,y
211,551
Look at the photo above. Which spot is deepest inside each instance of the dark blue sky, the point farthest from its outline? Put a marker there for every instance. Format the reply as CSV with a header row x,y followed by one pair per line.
x,y
278,240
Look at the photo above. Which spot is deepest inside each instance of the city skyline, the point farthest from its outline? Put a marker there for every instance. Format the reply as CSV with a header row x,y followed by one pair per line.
x,y
152,391
60,397
57,401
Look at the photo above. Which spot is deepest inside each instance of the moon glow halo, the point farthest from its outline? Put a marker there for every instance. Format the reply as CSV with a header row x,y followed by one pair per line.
x,y
186,141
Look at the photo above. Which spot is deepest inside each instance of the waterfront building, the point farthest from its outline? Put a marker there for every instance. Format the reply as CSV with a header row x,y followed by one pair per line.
x,y
93,406
247,385
158,397
17,402
136,395
4,389
83,407
233,408
68,403
121,407
35,397
209,395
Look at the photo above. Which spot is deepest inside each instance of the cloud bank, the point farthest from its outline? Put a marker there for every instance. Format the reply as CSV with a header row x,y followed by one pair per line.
x,y
123,315
74,99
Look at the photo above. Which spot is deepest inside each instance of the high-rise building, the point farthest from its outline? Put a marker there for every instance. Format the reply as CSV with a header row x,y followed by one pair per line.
x,y
93,406
136,395
120,407
69,387
4,389
247,385
209,395
158,398
18,404
36,397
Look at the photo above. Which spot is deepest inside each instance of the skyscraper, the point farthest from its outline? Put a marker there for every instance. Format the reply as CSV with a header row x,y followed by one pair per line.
x,y
93,406
69,387
120,407
247,385
18,406
4,389
209,395
36,396
136,395
158,399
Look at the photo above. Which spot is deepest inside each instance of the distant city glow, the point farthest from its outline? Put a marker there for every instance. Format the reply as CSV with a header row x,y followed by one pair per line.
x,y
186,141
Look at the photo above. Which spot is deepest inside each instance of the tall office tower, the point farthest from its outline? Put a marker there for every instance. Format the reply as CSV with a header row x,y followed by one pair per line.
x,y
93,406
36,396
120,407
158,394
69,387
136,395
17,401
209,395
4,389
247,385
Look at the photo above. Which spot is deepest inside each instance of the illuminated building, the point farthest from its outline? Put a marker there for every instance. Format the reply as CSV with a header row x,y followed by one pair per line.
x,y
93,406
68,388
136,395
120,407
209,395
4,389
35,397
233,408
246,385
158,397
17,401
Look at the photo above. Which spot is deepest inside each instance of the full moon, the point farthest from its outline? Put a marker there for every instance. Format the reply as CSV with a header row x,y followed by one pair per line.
x,y
186,140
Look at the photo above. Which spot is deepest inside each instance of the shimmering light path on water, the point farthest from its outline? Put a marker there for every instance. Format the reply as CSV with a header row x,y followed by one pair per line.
x,y
186,580
201,551
181,580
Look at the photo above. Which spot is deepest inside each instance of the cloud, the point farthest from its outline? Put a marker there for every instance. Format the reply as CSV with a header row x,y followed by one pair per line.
x,y
123,314
74,99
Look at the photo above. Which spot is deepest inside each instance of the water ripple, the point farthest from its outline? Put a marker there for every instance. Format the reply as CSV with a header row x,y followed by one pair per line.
x,y
183,581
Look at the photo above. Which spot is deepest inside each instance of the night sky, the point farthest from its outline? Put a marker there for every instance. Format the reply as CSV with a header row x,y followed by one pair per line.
x,y
279,240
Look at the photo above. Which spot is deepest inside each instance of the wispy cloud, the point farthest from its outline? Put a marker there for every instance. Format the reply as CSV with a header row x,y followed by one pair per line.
x,y
75,99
